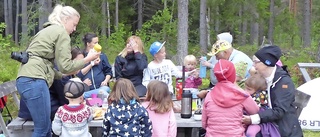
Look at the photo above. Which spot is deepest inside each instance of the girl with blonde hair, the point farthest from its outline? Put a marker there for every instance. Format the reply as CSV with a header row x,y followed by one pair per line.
x,y
50,45
131,62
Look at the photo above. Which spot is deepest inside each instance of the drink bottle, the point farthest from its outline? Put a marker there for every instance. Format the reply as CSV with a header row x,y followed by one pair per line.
x,y
186,107
203,69
96,48
179,90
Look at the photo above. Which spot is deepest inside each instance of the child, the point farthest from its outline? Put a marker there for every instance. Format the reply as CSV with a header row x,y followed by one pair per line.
x,y
125,116
72,120
256,86
160,68
160,108
193,81
224,105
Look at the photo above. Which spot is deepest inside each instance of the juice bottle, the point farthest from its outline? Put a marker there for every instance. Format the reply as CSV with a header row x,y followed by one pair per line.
x,y
179,90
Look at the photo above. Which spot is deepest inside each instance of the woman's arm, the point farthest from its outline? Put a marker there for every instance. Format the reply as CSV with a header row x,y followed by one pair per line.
x,y
63,55
141,60
118,66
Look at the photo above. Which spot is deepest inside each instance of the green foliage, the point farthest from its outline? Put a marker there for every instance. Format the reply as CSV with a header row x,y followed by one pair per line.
x,y
4,41
309,133
116,42
160,28
8,66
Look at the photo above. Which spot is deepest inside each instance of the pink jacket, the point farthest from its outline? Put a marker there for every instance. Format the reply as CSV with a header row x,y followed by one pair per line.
x,y
163,125
223,110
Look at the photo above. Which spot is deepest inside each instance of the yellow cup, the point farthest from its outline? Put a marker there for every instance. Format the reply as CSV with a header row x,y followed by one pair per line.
x,y
97,48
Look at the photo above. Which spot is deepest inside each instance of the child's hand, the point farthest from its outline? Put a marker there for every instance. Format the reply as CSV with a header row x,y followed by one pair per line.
x,y
195,74
190,73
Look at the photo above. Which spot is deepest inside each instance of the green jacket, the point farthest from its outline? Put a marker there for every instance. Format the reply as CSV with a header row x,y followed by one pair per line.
x,y
51,44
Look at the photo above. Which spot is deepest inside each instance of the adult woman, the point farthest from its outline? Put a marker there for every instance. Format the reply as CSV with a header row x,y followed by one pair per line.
x,y
131,62
98,73
281,94
34,77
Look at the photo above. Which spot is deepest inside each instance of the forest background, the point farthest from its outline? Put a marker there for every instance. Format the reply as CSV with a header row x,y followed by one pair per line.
x,y
187,26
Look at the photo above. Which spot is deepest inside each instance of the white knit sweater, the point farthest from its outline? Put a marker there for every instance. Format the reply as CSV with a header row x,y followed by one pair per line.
x,y
72,121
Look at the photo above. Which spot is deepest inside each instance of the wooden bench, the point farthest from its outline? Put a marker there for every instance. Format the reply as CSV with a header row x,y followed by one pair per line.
x,y
6,89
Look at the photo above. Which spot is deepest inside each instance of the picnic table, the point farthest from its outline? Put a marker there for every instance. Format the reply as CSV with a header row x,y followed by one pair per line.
x,y
186,127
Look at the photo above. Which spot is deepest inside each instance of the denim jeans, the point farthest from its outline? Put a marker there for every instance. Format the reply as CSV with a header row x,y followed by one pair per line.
x,y
105,90
35,93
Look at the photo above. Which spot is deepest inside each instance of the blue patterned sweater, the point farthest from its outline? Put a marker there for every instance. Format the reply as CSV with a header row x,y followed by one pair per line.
x,y
127,120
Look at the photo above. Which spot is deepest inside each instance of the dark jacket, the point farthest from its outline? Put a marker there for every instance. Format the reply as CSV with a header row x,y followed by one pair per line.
x,y
283,112
97,73
131,67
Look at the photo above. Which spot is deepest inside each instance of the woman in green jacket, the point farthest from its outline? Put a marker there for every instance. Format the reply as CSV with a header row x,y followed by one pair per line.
x,y
51,44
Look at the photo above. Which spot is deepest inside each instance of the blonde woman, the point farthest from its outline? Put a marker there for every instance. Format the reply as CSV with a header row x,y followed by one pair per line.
x,y
51,44
131,62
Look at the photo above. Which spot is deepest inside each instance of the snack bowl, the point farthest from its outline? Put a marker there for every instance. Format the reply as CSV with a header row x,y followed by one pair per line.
x,y
197,117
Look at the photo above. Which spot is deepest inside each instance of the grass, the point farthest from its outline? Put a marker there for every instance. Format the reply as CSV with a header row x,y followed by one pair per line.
x,y
308,133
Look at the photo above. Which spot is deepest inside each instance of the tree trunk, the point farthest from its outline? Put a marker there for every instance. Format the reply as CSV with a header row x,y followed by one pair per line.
x,y
43,13
244,32
261,33
116,21
182,48
217,21
6,17
108,15
306,23
271,22
318,53
104,16
254,28
16,33
24,21
208,28
164,4
49,6
140,16
10,18
203,27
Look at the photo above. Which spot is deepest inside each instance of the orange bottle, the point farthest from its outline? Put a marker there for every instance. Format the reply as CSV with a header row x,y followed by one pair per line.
x,y
179,90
